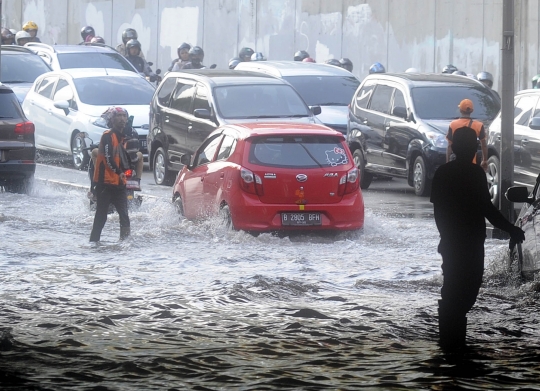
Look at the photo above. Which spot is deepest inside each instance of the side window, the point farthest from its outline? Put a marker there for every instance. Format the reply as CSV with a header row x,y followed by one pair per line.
x,y
362,99
64,92
46,86
201,98
182,97
526,104
399,100
208,150
381,99
227,147
537,110
165,91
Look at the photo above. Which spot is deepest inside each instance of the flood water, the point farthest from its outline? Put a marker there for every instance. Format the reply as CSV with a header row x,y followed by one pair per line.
x,y
183,305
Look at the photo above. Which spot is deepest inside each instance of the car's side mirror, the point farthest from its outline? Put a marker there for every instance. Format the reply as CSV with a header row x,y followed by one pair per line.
x,y
535,123
186,159
518,194
400,111
63,105
316,110
202,113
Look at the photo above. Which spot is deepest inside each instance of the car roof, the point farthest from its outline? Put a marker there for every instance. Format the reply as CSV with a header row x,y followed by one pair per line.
x,y
70,48
250,129
529,91
77,73
15,49
425,79
294,68
226,77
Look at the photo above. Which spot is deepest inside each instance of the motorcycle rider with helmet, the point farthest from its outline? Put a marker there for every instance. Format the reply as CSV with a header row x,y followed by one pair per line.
x,y
346,64
87,33
308,59
183,56
535,81
32,29
196,57
460,73
22,38
449,69
332,61
127,35
8,38
487,79
233,62
133,49
245,54
258,56
301,55
377,68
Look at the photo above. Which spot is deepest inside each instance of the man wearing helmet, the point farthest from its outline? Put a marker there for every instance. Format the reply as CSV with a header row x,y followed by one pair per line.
x,y
535,81
32,29
133,49
449,69
346,64
196,57
127,35
377,68
22,38
183,56
98,39
87,33
487,79
233,62
258,56
332,61
300,55
8,38
245,54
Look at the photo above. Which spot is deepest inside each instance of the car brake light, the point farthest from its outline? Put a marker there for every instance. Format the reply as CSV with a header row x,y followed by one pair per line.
x,y
349,183
251,183
129,173
24,128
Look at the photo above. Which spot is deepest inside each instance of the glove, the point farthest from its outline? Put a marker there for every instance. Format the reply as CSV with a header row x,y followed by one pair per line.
x,y
516,235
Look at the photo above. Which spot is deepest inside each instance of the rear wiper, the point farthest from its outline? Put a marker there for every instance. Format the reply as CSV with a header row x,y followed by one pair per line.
x,y
14,81
2,117
331,104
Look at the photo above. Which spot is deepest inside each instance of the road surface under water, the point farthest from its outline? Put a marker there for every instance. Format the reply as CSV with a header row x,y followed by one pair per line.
x,y
183,305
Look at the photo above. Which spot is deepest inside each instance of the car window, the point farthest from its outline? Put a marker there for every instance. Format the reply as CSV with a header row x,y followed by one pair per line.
x,y
325,90
299,151
64,91
399,100
226,148
381,99
9,105
201,98
22,68
517,110
93,60
165,90
208,151
111,91
362,99
182,97
525,105
46,86
537,110
259,101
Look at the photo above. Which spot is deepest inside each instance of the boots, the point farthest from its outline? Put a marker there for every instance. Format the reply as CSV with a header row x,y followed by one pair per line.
x,y
452,329
124,232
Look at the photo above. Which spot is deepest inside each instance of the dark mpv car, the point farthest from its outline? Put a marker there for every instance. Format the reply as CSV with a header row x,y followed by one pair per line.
x,y
189,105
398,123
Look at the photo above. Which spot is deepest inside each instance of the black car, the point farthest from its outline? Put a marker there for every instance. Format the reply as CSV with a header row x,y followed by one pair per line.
x,y
189,105
17,149
398,123
20,67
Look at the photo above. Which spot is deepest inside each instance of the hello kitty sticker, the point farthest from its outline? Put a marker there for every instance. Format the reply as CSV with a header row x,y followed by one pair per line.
x,y
336,157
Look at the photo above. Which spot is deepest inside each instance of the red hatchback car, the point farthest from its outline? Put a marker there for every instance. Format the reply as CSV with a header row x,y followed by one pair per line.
x,y
272,177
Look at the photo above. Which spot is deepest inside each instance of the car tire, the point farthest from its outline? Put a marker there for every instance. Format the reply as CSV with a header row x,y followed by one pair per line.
x,y
178,204
226,218
162,175
492,176
79,153
421,184
360,163
22,186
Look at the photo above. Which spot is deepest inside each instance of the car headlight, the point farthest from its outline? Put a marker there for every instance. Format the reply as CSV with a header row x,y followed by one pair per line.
x,y
437,139
100,122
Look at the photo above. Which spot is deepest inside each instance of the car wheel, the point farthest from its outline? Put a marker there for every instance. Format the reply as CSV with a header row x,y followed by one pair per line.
x,y
421,184
162,174
225,216
178,204
23,186
359,162
79,152
492,175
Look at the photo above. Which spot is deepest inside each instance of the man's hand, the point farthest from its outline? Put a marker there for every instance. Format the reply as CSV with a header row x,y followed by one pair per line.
x,y
517,235
484,165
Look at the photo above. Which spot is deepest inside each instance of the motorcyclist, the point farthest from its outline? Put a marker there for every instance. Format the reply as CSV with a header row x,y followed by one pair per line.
x,y
32,29
127,35
196,57
258,56
308,59
412,70
87,33
333,61
449,69
377,68
8,38
233,62
183,56
245,54
487,79
346,64
535,81
301,55
460,73
22,38
97,39
133,48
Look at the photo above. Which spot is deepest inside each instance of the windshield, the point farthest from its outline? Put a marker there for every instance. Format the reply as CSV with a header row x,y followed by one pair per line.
x,y
22,68
93,60
325,90
442,102
114,90
259,101
298,151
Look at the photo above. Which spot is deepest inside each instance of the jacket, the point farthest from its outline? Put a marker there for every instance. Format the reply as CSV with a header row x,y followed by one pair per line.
x,y
111,161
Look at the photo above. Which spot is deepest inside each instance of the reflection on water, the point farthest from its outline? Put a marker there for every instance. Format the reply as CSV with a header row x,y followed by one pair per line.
x,y
184,305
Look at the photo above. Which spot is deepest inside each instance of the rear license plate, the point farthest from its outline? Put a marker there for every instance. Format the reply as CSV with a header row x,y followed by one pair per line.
x,y
143,143
301,219
132,184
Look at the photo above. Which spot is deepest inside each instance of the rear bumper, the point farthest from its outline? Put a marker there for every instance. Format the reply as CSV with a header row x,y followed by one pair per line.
x,y
249,214
16,170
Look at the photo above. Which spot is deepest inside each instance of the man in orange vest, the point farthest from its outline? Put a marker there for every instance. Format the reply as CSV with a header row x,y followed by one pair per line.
x,y
466,108
109,174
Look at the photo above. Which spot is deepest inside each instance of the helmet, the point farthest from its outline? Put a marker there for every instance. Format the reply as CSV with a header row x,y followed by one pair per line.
x,y
308,59
30,26
111,112
245,54
347,64
129,34
233,62
7,34
472,76
449,69
97,39
300,55
534,80
376,68
196,53
86,31
486,78
333,62
412,70
132,43
258,57
460,73
22,35
183,46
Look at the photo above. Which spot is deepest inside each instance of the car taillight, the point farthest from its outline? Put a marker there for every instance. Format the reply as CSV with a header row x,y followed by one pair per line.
x,y
24,128
129,173
349,182
251,183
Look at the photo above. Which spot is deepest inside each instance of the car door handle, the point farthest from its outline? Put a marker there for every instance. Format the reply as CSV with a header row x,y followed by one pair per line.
x,y
166,118
364,121
190,126
222,175
524,141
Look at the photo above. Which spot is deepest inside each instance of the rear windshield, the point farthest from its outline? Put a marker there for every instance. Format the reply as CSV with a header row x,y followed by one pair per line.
x,y
9,105
325,90
442,102
259,101
117,90
309,151
22,68
93,60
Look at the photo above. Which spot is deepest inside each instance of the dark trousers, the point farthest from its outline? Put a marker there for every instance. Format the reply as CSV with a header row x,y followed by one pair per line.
x,y
107,195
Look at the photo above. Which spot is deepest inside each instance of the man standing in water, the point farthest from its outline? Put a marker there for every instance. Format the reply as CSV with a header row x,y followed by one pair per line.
x,y
461,202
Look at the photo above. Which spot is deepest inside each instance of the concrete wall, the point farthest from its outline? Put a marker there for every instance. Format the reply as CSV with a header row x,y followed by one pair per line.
x,y
425,34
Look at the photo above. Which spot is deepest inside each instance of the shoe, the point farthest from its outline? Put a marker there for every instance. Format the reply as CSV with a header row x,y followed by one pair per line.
x,y
124,232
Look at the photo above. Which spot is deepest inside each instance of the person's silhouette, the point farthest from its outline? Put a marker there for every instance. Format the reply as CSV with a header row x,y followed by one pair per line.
x,y
461,202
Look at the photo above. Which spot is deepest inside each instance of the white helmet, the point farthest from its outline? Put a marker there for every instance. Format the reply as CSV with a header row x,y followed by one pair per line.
x,y
21,35
412,70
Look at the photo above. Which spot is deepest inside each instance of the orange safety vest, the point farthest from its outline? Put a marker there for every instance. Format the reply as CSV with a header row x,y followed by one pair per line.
x,y
477,126
103,174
